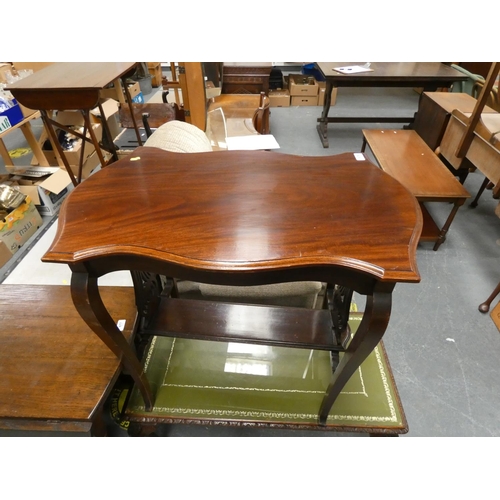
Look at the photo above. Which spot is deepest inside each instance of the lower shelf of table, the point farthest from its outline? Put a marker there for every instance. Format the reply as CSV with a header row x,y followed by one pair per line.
x,y
430,230
227,383
259,324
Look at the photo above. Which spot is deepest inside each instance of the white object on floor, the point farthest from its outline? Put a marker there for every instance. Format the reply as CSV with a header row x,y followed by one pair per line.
x,y
252,142
32,271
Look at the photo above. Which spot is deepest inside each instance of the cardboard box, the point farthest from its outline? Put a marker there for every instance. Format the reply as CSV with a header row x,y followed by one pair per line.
x,y
118,94
90,164
110,108
5,254
20,225
136,94
10,117
304,100
47,193
279,98
73,155
302,85
321,94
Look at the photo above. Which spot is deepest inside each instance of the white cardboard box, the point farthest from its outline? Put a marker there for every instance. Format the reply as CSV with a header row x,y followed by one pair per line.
x,y
48,193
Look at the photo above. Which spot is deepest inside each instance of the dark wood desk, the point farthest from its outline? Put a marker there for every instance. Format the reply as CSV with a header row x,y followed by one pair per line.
x,y
56,374
241,218
429,76
74,86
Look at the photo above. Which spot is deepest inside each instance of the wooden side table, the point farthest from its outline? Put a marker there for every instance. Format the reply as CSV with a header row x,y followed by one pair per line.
x,y
404,155
242,218
74,86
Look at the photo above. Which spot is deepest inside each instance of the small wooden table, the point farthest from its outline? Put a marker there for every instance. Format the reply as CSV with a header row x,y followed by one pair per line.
x,y
241,218
404,155
429,76
74,86
56,374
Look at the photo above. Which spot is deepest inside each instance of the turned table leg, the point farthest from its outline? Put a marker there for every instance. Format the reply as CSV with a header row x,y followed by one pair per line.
x,y
485,306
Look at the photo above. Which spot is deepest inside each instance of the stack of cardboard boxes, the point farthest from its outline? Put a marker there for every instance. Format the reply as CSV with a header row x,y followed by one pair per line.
x,y
300,90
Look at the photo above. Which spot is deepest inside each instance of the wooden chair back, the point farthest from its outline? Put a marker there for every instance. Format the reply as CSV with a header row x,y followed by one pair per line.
x,y
261,116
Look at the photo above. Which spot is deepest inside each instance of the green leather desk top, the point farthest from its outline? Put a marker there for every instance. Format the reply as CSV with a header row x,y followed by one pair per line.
x,y
221,382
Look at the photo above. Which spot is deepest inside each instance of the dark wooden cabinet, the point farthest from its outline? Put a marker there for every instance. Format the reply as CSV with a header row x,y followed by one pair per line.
x,y
245,79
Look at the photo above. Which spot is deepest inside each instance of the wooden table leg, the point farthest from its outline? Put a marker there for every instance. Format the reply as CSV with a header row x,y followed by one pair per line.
x,y
322,126
485,306
57,146
131,108
33,143
447,224
4,153
88,302
368,336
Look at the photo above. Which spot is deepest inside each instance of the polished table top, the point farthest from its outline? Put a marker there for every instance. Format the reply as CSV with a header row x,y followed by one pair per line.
x,y
392,74
71,85
431,179
243,213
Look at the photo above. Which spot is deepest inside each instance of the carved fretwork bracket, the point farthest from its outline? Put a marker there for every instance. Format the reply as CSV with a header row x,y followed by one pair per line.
x,y
148,289
339,304
338,299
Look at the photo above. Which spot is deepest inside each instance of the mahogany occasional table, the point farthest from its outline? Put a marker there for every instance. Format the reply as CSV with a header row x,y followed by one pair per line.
x,y
241,218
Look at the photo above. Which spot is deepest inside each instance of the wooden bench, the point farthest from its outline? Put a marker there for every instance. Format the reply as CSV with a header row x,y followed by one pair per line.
x,y
56,373
404,155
